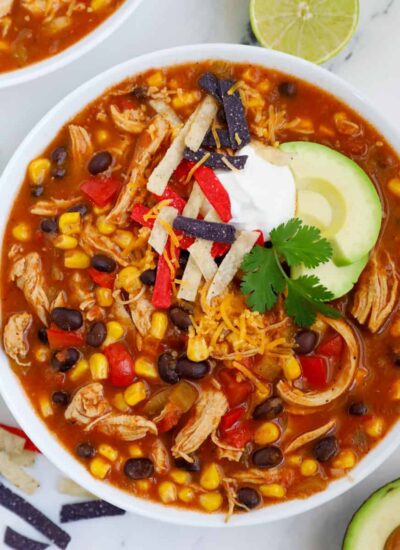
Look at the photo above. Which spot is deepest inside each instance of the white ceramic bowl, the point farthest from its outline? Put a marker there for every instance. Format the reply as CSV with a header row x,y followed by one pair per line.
x,y
87,43
13,175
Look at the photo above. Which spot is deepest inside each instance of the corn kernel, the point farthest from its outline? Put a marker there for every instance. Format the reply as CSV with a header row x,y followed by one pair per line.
x,y
210,478
69,223
292,369
81,368
394,186
22,232
98,5
294,460
105,227
251,74
98,365
345,460
254,102
197,349
309,467
76,259
45,406
273,490
146,368
38,170
159,325
268,432
375,426
120,403
211,501
104,296
100,210
264,86
185,99
115,331
135,393
65,242
143,485
4,46
135,451
156,79
102,137
186,494
42,354
108,452
168,492
395,390
128,279
123,238
99,467
181,477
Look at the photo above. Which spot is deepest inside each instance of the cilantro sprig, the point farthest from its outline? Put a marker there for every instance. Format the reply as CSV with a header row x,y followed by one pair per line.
x,y
264,277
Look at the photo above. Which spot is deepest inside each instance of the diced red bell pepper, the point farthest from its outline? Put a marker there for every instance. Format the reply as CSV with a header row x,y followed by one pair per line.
x,y
182,171
170,420
185,240
120,363
101,190
29,445
138,213
219,249
239,436
236,392
315,370
162,292
105,280
333,347
214,191
175,200
260,241
230,418
62,339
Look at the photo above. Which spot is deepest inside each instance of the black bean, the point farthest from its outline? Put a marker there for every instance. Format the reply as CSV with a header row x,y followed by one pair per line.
x,y
219,260
60,398
58,173
138,468
183,258
103,263
148,277
249,497
180,318
66,318
268,244
358,409
82,208
326,448
268,409
396,360
85,450
306,340
267,457
167,367
96,334
288,89
63,360
59,155
221,115
49,225
192,370
188,466
42,335
139,92
37,191
100,162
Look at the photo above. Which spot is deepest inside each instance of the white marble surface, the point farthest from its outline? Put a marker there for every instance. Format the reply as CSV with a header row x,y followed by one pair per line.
x,y
372,63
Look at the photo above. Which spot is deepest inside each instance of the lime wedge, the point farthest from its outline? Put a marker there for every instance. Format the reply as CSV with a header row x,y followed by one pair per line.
x,y
313,29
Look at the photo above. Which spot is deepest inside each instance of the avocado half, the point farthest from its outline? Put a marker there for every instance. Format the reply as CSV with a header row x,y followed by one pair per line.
x,y
374,525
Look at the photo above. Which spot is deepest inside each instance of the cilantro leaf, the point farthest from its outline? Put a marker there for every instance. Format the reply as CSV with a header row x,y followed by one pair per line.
x,y
305,298
263,279
301,244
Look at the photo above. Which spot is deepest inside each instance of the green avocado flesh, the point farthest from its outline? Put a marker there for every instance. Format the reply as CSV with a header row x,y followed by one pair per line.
x,y
375,520
337,196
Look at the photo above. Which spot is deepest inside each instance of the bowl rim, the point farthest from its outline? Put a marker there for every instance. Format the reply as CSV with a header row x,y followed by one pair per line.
x,y
39,137
87,43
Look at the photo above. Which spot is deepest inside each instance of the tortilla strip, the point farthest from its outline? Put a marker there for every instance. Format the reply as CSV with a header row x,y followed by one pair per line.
x,y
200,251
11,443
17,475
307,437
159,236
24,459
191,280
166,111
201,124
193,205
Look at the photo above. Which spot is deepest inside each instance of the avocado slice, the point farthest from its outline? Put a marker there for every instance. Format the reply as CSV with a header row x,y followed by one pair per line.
x,y
376,521
335,194
338,279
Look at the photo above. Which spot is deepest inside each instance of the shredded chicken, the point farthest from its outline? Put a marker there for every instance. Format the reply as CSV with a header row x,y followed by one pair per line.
x,y
28,276
5,7
231,486
146,147
35,7
87,404
272,475
15,337
226,451
132,121
141,312
160,457
81,143
376,292
124,426
210,408
312,435
53,207
91,239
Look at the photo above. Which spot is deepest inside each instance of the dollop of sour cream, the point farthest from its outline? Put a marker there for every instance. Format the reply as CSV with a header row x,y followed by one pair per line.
x,y
263,194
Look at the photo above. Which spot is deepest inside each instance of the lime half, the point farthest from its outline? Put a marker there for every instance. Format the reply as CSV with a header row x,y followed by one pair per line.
x,y
313,29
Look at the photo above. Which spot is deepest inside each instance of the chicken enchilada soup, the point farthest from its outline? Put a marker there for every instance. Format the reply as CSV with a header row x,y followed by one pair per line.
x,y
33,30
199,291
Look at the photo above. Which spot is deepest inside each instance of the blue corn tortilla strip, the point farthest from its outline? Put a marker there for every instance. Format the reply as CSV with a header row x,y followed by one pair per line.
x,y
17,541
34,517
209,83
223,135
88,510
215,160
239,133
210,231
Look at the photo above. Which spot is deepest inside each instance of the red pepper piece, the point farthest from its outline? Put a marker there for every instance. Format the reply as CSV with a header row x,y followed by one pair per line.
x,y
170,420
182,171
260,241
62,339
315,370
214,191
175,200
138,213
162,293
101,190
121,366
236,392
230,418
219,249
185,240
29,445
239,436
105,280
333,347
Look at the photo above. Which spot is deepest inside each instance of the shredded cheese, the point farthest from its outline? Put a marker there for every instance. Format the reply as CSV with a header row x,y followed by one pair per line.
x,y
264,390
197,166
235,87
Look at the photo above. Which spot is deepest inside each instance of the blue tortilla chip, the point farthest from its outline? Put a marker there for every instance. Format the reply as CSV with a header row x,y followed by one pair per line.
x,y
19,542
215,160
88,510
34,517
210,231
223,134
209,83
239,133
